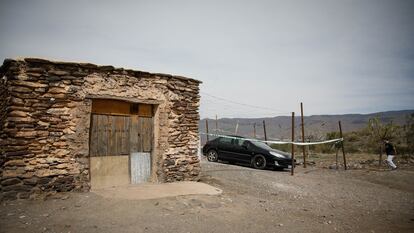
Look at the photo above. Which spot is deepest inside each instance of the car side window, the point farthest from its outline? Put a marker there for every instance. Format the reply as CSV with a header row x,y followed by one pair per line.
x,y
238,142
225,140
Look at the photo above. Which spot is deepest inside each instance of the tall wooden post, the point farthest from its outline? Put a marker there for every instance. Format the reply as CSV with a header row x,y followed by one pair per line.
x,y
336,158
254,130
264,130
216,125
303,135
343,149
207,130
293,145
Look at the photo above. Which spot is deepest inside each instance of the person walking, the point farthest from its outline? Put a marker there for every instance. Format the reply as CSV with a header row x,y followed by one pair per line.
x,y
391,152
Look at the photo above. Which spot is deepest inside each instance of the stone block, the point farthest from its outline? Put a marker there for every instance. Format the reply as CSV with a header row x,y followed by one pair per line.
x,y
17,187
49,173
18,163
31,181
10,181
26,134
18,113
57,90
58,72
29,84
21,89
20,119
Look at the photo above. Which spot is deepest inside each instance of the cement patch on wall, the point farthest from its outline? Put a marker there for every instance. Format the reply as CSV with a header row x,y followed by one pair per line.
x,y
109,171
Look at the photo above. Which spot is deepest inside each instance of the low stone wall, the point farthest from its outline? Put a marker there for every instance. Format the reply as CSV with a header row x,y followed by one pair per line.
x,y
45,120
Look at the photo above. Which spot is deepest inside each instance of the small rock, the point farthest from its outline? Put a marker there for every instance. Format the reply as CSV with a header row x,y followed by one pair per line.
x,y
77,205
281,224
329,222
22,216
156,203
65,197
211,205
45,215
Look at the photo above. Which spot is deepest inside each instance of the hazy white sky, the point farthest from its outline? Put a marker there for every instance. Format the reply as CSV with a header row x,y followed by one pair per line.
x,y
339,56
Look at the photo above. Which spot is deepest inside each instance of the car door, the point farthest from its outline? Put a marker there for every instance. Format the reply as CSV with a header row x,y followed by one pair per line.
x,y
224,148
240,150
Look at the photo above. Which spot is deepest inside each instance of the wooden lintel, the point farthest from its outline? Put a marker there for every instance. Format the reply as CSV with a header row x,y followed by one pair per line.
x,y
126,99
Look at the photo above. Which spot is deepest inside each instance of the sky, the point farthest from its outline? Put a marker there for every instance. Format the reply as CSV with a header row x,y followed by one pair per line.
x,y
255,58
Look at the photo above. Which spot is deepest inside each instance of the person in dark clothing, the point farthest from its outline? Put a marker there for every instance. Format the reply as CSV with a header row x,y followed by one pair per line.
x,y
391,152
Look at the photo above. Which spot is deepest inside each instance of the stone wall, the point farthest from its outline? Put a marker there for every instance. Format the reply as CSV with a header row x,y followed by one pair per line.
x,y
45,120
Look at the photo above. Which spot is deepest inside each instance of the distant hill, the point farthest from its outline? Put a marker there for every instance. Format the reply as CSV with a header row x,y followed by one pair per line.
x,y
316,125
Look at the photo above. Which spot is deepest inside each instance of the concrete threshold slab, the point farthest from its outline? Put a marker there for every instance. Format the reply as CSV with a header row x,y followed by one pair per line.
x,y
156,191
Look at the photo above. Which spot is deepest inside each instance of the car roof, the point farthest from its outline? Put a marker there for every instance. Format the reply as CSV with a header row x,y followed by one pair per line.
x,y
234,136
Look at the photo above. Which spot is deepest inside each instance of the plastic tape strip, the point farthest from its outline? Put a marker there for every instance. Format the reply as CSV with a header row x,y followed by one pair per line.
x,y
277,142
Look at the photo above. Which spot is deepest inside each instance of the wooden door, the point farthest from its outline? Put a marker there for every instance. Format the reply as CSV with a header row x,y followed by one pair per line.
x,y
109,150
120,149
110,135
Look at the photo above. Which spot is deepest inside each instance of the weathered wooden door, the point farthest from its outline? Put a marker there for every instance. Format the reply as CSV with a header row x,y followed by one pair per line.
x,y
109,150
120,149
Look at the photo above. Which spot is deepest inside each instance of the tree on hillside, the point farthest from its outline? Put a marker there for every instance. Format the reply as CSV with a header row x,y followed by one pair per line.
x,y
409,133
379,131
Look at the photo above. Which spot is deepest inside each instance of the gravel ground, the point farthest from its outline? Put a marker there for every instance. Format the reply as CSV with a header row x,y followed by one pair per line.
x,y
313,200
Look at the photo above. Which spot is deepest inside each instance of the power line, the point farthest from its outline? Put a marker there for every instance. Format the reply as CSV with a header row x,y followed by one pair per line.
x,y
243,104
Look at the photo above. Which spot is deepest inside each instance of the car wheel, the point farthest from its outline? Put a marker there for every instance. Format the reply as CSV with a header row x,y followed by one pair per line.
x,y
259,162
212,156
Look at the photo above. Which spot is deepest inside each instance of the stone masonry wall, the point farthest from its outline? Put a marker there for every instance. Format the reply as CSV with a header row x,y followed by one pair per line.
x,y
45,112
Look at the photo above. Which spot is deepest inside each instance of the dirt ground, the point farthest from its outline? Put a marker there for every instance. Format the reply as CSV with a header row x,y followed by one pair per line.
x,y
315,199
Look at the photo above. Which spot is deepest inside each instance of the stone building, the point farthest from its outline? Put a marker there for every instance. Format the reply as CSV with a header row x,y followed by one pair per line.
x,y
75,126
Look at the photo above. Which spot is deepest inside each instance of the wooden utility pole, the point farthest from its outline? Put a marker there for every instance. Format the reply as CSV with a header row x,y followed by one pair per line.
x,y
207,130
293,145
264,130
343,149
216,125
254,130
303,135
237,127
336,158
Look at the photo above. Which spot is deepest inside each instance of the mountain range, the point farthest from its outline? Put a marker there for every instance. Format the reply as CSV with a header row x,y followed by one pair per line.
x,y
316,126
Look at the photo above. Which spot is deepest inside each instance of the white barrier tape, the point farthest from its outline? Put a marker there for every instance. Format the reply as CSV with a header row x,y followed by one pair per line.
x,y
277,142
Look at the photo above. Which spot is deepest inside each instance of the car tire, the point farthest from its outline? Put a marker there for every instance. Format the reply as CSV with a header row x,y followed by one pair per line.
x,y
259,162
212,156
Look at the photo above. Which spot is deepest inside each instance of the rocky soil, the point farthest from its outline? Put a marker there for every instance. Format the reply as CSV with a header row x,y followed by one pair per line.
x,y
315,199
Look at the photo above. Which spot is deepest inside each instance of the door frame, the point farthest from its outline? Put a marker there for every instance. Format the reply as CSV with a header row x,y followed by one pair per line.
x,y
155,119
